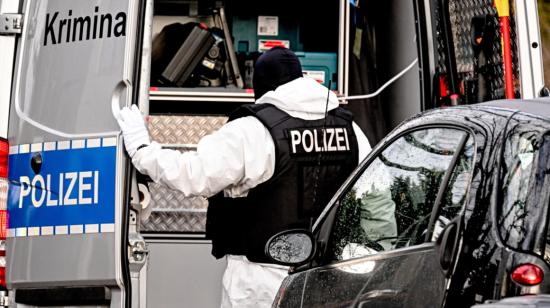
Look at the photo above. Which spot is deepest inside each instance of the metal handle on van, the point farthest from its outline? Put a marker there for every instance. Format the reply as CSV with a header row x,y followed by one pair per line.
x,y
115,98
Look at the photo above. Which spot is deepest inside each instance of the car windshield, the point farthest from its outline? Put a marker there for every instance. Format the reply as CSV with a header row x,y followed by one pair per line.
x,y
517,169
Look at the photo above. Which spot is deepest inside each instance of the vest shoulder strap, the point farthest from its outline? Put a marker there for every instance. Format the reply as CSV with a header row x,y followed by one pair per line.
x,y
342,113
269,115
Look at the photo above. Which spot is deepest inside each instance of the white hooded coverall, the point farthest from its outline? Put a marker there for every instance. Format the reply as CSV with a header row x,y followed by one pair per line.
x,y
236,158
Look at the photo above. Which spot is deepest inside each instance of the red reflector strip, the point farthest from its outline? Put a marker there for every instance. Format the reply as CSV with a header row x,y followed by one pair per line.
x,y
3,194
3,276
3,224
4,151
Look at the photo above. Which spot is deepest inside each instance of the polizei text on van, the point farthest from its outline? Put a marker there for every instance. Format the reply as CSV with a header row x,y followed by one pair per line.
x,y
67,29
69,188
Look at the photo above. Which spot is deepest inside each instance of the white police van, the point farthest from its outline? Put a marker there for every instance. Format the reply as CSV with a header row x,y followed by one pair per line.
x,y
77,233
81,230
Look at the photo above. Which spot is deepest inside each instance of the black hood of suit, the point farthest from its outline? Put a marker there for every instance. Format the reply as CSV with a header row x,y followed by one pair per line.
x,y
273,68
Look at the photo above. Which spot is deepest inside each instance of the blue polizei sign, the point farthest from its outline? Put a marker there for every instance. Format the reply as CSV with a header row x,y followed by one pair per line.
x,y
73,192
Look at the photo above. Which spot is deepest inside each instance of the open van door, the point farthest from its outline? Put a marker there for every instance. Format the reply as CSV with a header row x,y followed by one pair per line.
x,y
68,204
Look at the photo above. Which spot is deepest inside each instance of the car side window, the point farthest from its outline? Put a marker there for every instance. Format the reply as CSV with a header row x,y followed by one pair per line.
x,y
456,192
517,170
390,204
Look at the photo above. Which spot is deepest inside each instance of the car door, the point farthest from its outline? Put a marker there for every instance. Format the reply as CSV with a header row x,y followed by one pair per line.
x,y
378,239
68,201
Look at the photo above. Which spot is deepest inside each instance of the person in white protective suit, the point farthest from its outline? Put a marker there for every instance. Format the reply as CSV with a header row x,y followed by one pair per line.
x,y
273,166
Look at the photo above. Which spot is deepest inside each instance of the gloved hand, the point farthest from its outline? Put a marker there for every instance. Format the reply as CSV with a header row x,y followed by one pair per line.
x,y
133,128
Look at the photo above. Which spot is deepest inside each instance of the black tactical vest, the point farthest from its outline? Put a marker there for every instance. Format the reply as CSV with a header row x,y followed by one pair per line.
x,y
313,158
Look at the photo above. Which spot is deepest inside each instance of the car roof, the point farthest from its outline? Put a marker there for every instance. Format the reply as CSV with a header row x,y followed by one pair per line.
x,y
539,107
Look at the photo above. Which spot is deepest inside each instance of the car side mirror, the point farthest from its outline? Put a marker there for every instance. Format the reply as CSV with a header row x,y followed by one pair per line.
x,y
291,247
447,245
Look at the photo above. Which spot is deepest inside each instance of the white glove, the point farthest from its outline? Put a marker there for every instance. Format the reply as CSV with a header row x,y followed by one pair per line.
x,y
133,128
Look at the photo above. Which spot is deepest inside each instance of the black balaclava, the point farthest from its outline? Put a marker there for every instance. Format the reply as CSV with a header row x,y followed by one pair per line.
x,y
273,68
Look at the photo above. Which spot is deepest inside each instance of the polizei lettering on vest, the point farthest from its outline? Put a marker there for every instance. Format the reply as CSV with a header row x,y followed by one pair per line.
x,y
71,28
315,140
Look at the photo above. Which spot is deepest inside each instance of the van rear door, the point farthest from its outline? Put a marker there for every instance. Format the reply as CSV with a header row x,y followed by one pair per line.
x,y
68,220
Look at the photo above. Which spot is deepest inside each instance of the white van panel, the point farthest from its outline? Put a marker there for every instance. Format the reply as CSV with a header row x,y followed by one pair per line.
x,y
75,66
74,63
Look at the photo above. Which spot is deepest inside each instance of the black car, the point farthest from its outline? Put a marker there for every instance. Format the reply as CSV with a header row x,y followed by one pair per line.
x,y
449,210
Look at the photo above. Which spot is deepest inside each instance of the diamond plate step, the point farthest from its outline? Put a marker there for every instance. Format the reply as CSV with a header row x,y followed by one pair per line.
x,y
172,212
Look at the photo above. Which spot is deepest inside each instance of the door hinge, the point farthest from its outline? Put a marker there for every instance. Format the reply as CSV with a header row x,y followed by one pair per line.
x,y
11,24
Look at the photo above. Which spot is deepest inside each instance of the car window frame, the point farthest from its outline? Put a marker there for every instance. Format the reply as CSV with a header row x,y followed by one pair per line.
x,y
329,211
436,209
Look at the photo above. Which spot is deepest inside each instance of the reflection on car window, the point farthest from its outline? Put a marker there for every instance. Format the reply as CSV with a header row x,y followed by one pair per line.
x,y
389,206
457,188
517,167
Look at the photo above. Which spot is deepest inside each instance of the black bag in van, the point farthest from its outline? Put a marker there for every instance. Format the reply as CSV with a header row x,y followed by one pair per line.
x,y
187,55
165,45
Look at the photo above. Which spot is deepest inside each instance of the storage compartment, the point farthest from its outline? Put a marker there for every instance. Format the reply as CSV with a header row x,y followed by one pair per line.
x,y
208,49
